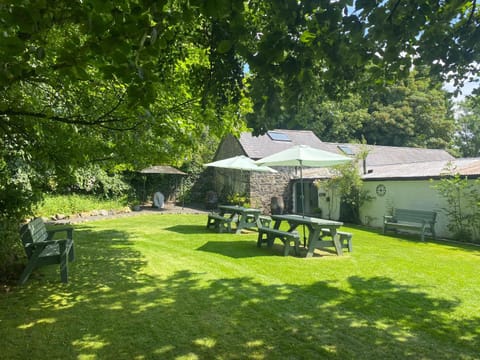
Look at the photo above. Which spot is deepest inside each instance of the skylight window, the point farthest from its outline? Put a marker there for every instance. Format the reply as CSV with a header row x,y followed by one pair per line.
x,y
278,136
346,149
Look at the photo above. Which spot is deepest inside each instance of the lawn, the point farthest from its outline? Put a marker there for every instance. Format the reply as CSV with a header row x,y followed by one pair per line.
x,y
163,287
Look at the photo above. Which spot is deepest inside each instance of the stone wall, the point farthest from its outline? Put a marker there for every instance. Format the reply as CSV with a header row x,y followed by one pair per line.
x,y
264,186
259,186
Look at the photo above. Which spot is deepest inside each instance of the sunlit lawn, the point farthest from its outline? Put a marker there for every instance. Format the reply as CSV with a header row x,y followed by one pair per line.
x,y
163,287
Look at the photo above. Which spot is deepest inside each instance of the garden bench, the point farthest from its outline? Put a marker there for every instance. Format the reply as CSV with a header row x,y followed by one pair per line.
x,y
219,222
267,235
42,250
345,238
421,221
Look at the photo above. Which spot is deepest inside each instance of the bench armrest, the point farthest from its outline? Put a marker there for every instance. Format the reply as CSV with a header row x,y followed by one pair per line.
x,y
42,244
388,218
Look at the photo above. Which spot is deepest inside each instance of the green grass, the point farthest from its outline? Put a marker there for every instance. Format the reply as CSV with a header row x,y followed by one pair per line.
x,y
74,204
163,287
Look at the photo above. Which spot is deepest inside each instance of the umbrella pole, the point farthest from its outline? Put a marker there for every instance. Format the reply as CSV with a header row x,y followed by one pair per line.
x,y
302,198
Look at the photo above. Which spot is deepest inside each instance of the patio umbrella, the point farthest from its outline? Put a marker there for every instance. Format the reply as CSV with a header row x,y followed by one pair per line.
x,y
240,162
303,155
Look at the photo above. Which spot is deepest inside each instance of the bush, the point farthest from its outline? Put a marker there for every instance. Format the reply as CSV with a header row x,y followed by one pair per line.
x,y
463,198
11,251
96,181
74,204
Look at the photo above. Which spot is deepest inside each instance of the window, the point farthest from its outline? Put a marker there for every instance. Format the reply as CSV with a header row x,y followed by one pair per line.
x,y
346,149
278,136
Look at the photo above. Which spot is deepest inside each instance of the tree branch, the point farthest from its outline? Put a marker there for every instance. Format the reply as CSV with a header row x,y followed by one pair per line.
x,y
101,121
472,13
393,11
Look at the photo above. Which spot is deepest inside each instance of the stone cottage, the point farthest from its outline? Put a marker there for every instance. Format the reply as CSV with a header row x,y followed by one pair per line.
x,y
260,187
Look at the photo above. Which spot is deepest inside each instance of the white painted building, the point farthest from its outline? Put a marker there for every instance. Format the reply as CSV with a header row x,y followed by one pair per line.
x,y
396,177
411,186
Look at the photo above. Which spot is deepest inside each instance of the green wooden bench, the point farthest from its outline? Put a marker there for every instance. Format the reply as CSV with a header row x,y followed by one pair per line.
x,y
219,222
344,237
267,235
420,221
42,250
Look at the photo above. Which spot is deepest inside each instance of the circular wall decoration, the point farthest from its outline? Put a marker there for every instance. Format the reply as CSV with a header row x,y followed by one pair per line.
x,y
381,190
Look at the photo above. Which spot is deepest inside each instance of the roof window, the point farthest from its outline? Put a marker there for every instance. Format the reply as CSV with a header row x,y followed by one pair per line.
x,y
278,136
346,149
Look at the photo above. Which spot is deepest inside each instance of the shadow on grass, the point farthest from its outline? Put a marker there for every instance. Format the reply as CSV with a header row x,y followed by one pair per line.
x,y
238,249
111,310
188,229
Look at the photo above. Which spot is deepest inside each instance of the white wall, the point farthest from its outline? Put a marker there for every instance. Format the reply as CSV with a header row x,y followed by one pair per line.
x,y
405,194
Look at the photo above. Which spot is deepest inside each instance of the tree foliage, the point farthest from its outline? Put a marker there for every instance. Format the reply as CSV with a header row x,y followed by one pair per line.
x,y
332,48
467,137
347,183
412,112
462,200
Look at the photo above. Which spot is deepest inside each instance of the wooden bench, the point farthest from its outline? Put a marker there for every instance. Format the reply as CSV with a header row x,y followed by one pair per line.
x,y
345,238
267,235
421,221
219,222
42,250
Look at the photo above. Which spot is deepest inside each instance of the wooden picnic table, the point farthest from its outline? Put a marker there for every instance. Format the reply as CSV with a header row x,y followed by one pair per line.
x,y
243,217
315,226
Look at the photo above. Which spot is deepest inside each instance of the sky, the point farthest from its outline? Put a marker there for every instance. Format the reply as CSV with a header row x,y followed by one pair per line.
x,y
466,90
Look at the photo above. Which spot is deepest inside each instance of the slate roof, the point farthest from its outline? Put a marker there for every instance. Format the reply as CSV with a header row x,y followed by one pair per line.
x,y
424,170
257,147
261,146
388,155
383,162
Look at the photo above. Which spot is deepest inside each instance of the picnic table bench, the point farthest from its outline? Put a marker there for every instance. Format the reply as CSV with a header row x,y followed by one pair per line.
x,y
219,222
267,234
243,217
42,250
421,221
344,237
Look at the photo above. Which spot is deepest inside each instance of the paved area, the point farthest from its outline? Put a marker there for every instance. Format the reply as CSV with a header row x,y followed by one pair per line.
x,y
169,209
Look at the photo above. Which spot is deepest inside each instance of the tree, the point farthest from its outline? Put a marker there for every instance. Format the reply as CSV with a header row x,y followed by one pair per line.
x,y
139,81
414,112
462,199
334,49
467,137
347,183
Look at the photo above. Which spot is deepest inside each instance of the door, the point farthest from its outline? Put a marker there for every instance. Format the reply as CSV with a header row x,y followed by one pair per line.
x,y
311,198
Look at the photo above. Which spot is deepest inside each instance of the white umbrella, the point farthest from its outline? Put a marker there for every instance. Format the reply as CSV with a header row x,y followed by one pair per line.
x,y
240,162
303,155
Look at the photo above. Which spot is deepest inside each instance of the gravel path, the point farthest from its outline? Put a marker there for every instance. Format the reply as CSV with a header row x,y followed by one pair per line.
x,y
169,209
